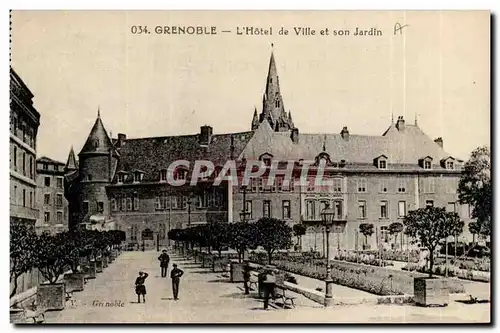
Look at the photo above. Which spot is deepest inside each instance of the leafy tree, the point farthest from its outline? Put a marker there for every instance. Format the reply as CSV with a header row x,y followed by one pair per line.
x,y
22,249
430,225
299,230
217,236
175,235
366,229
51,256
272,235
475,188
242,236
474,229
395,229
73,245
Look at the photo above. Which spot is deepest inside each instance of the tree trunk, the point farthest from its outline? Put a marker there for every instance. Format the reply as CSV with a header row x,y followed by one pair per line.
x,y
269,255
431,261
455,253
14,291
220,252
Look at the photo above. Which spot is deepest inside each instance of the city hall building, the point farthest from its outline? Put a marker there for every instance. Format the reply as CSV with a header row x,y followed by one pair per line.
x,y
122,182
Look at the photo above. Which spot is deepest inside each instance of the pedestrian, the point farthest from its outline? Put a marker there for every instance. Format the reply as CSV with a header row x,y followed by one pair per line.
x,y
140,288
175,275
164,261
269,285
246,277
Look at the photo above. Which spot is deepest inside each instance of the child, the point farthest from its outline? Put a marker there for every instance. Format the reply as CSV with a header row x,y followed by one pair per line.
x,y
140,288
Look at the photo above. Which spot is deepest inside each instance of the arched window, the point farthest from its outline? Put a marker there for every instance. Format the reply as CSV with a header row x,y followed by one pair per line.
x,y
96,143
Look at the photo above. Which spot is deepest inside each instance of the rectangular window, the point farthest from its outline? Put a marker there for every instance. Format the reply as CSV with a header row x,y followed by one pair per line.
x,y
100,206
383,209
163,175
384,233
175,202
402,185
85,207
429,203
337,185
46,199
113,205
382,164
46,217
248,210
266,209
362,209
279,180
59,183
384,187
361,185
124,203
59,200
47,181
260,181
427,165
121,177
31,199
136,201
449,165
31,167
15,158
310,212
59,217
24,163
129,203
166,201
450,207
286,209
137,177
15,195
24,197
338,210
253,184
402,208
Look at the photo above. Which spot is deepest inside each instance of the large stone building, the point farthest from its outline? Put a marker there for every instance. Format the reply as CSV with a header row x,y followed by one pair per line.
x,y
50,195
374,179
24,122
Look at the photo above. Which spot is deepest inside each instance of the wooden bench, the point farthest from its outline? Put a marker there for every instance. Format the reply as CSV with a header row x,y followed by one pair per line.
x,y
280,293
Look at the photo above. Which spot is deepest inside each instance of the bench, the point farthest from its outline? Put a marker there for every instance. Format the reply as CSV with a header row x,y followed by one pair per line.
x,y
280,293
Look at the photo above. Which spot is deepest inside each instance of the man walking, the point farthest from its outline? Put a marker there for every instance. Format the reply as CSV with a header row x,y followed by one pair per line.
x,y
175,275
269,285
164,261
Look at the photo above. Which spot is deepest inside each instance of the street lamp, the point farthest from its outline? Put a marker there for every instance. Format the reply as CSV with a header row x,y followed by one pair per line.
x,y
327,216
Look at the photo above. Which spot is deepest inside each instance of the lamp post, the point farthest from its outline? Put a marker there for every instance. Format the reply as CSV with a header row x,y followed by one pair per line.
x,y
327,216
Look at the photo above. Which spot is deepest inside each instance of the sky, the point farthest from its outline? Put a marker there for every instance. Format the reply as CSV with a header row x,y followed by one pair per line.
x,y
436,69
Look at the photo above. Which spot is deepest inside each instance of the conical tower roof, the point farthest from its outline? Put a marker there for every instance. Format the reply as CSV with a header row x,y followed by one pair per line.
x,y
71,164
98,140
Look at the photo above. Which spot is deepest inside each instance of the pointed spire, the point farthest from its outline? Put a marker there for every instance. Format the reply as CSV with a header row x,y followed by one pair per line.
x,y
71,163
98,111
255,120
392,117
324,143
98,140
290,115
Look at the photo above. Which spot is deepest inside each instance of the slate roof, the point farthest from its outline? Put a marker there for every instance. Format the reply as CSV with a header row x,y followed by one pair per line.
x,y
98,134
400,147
150,155
45,159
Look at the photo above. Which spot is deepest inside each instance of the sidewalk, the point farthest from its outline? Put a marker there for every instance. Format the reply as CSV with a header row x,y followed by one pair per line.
x,y
206,297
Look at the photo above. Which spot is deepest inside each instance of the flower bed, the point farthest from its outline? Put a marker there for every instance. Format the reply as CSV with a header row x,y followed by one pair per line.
x,y
394,255
453,271
372,279
367,259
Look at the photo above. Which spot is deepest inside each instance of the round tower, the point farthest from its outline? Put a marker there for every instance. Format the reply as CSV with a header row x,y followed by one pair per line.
x,y
97,163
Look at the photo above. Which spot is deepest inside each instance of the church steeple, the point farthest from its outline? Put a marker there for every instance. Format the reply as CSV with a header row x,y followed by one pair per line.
x,y
255,120
71,164
273,108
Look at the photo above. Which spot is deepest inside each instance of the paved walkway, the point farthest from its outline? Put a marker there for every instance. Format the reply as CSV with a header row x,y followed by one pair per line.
x,y
206,297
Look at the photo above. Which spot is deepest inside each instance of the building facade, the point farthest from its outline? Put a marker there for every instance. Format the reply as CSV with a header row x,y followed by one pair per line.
x,y
372,179
50,198
24,122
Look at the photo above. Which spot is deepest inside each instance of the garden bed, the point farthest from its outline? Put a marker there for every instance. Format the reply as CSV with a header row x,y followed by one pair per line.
x,y
453,271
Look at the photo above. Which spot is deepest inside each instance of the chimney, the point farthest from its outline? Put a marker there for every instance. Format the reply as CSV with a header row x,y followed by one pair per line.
x,y
400,125
439,141
205,135
295,135
121,139
345,133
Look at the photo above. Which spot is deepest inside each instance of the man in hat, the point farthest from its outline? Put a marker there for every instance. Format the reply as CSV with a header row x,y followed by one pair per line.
x,y
175,275
164,260
269,284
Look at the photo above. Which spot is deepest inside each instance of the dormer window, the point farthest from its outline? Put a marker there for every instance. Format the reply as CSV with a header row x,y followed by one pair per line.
x,y
163,175
266,158
381,162
138,176
121,177
427,165
450,165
